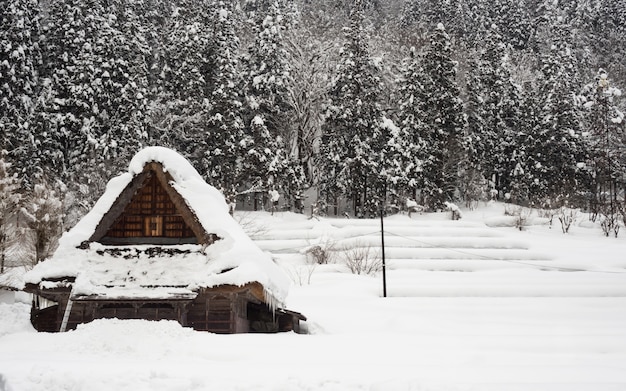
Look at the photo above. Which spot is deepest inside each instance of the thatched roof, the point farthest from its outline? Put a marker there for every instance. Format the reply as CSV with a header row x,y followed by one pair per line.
x,y
162,271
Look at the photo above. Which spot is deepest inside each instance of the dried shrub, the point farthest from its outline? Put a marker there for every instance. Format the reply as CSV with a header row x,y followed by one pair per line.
x,y
609,222
362,259
567,217
321,253
301,274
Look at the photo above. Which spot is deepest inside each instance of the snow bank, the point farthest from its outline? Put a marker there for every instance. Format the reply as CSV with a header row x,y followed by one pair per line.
x,y
15,318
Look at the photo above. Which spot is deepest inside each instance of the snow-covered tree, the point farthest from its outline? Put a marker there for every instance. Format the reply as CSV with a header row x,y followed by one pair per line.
x,y
444,123
493,113
20,59
91,99
179,66
220,145
523,174
118,102
267,70
66,128
559,146
267,97
410,121
260,150
457,14
10,197
307,88
513,21
43,212
353,122
605,124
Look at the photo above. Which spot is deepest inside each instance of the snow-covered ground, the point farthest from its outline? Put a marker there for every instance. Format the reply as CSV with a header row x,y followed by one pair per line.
x,y
473,304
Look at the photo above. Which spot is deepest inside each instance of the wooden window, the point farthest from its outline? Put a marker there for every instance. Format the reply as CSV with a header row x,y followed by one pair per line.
x,y
153,226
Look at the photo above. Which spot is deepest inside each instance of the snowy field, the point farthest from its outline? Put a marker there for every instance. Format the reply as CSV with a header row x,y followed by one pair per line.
x,y
473,304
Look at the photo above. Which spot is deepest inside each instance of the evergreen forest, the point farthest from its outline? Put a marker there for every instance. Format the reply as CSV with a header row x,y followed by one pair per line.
x,y
368,101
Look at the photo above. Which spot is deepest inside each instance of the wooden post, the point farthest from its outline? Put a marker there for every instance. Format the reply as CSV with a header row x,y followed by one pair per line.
x,y
382,240
66,315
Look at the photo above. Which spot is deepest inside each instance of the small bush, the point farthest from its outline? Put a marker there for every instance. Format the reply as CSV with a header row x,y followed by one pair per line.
x,y
521,215
362,259
609,223
321,253
567,217
455,211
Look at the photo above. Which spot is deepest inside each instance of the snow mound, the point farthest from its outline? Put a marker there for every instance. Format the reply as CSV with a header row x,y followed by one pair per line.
x,y
128,336
15,318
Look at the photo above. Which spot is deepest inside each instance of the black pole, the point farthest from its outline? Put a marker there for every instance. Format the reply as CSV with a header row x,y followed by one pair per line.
x,y
382,239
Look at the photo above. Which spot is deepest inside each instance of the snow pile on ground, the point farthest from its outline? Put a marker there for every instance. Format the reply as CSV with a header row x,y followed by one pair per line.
x,y
551,318
14,318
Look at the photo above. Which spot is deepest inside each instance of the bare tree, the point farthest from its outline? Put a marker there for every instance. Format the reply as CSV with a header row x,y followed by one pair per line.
x,y
9,199
43,212
307,93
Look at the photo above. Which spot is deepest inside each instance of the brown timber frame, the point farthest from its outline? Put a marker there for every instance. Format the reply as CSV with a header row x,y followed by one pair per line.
x,y
150,210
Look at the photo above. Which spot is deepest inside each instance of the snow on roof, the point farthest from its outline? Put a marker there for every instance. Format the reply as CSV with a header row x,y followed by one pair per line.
x,y
13,278
234,259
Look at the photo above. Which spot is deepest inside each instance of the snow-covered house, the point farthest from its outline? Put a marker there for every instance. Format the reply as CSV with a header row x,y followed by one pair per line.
x,y
160,244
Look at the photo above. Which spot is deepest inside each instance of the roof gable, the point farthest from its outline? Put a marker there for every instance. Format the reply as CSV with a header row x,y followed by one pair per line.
x,y
150,211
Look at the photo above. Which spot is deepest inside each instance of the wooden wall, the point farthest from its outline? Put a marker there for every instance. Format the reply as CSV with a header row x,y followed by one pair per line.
x,y
151,213
222,312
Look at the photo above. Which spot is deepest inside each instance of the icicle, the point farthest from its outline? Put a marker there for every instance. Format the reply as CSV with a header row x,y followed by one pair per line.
x,y
271,301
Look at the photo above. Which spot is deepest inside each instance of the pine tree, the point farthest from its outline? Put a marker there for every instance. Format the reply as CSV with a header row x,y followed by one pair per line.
x,y
260,150
221,160
474,183
119,88
493,112
267,69
457,14
91,102
523,177
353,122
559,146
439,100
66,129
513,21
268,75
20,60
605,124
178,84
411,125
